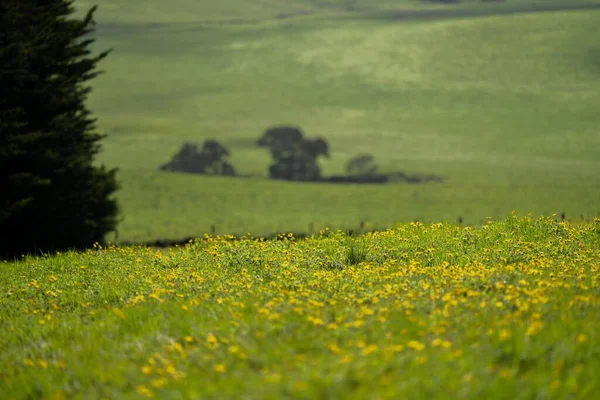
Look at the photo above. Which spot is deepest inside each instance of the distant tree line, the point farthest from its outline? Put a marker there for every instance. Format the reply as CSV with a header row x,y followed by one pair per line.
x,y
295,158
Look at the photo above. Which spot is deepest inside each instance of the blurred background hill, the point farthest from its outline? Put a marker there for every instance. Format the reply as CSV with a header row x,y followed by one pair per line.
x,y
499,98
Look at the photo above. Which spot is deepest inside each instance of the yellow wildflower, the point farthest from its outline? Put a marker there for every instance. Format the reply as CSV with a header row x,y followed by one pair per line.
x,y
534,328
417,346
219,368
144,391
211,341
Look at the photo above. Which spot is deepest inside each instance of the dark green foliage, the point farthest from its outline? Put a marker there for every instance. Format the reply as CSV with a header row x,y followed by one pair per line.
x,y
281,137
210,160
215,149
295,156
362,165
52,196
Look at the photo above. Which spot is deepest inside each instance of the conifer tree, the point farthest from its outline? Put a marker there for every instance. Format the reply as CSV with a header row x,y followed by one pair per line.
x,y
52,194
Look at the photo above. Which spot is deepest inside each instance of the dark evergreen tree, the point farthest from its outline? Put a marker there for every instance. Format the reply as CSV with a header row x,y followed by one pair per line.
x,y
52,195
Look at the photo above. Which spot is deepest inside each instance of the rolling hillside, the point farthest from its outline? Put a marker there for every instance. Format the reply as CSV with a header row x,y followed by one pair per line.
x,y
502,105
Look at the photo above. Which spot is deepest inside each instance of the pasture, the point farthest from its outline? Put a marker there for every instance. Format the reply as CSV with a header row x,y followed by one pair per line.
x,y
423,311
501,100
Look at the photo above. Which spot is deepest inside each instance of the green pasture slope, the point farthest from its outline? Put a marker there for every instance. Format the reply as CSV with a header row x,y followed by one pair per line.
x,y
509,310
501,99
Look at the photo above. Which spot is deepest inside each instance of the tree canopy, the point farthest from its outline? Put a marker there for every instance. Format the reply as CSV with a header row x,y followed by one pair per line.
x,y
52,194
210,160
295,157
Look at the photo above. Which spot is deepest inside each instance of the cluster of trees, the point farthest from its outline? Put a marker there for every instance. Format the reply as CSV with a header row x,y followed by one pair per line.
x,y
294,156
52,194
211,159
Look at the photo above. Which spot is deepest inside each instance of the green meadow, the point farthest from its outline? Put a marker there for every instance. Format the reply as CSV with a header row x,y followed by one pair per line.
x,y
500,99
508,310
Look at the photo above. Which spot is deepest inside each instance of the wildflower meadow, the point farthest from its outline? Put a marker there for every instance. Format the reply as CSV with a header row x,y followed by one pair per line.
x,y
508,310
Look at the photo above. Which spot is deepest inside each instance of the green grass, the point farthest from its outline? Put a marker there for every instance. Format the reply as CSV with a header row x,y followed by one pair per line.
x,y
506,311
185,209
504,107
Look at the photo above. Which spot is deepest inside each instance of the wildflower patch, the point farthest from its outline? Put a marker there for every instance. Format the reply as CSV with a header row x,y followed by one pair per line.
x,y
507,310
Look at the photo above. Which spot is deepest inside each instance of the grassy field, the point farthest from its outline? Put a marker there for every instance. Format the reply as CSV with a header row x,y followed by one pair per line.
x,y
505,311
500,102
258,11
